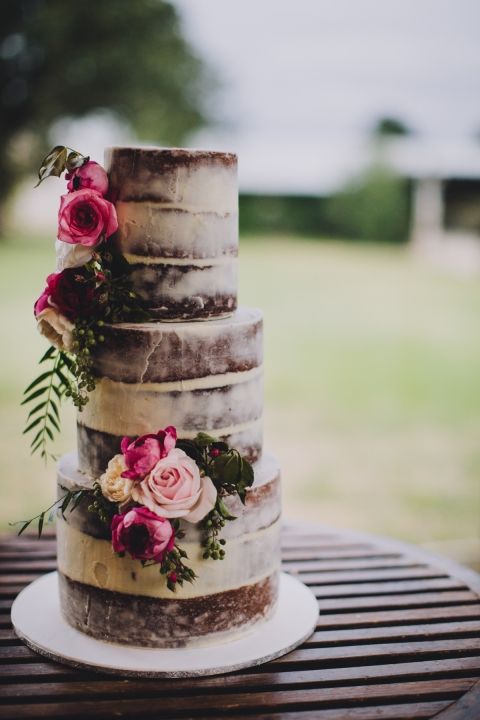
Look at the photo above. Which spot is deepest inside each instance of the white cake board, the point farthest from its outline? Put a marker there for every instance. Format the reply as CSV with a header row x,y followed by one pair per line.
x,y
37,620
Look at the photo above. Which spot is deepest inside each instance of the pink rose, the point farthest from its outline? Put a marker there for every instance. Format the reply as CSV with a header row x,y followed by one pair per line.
x,y
174,488
143,534
141,455
85,217
89,175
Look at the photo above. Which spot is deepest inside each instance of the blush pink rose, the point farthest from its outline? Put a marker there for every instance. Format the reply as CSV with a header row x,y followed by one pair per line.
x,y
141,455
90,175
175,489
143,534
85,217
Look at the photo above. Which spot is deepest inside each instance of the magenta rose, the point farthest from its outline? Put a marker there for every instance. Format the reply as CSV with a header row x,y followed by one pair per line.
x,y
69,293
85,217
141,455
142,534
90,175
175,489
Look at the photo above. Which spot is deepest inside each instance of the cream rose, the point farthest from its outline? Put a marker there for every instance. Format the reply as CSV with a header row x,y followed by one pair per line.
x,y
56,328
71,256
114,487
175,489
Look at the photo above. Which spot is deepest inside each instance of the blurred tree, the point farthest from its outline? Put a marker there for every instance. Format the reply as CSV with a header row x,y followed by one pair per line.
x,y
375,207
390,126
61,58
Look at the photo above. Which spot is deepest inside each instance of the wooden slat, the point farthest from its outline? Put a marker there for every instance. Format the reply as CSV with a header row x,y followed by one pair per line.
x,y
417,711
380,602
352,576
29,565
386,588
294,553
384,651
316,698
360,563
359,653
399,617
31,676
370,635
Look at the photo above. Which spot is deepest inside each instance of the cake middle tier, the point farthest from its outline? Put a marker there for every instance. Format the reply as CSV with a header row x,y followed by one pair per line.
x,y
199,377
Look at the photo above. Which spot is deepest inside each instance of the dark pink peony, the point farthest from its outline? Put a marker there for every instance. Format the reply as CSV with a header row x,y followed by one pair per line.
x,y
141,455
69,293
142,534
90,175
85,218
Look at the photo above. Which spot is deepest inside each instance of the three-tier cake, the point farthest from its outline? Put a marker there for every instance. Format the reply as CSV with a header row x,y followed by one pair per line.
x,y
197,365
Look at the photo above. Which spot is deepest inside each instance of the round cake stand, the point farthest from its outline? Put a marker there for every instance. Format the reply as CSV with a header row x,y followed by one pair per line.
x,y
48,633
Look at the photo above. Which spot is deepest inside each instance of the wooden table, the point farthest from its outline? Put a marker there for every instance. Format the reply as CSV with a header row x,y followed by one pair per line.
x,y
398,637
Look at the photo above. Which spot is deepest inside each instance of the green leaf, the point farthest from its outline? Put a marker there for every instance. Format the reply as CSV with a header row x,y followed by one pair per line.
x,y
62,377
37,436
48,354
204,440
65,501
40,524
75,160
53,164
53,421
37,380
192,450
224,511
24,526
34,395
247,473
36,409
57,392
54,407
228,467
32,425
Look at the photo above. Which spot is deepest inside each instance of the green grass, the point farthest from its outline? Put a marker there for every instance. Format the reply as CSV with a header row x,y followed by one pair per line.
x,y
372,391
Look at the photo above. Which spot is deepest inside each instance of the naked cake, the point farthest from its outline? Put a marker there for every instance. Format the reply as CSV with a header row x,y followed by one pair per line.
x,y
195,366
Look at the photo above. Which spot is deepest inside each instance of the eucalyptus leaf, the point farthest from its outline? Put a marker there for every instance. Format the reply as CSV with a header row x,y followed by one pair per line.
x,y
53,164
75,160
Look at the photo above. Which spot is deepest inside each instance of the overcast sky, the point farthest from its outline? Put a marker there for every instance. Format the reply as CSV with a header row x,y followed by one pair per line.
x,y
318,73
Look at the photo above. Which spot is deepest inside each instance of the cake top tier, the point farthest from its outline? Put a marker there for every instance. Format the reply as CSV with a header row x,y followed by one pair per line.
x,y
178,228
174,175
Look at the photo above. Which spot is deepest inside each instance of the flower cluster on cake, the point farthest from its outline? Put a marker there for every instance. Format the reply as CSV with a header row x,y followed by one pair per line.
x,y
166,373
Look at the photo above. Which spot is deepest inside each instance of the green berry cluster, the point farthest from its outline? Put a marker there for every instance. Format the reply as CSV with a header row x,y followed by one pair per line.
x,y
212,544
86,335
100,506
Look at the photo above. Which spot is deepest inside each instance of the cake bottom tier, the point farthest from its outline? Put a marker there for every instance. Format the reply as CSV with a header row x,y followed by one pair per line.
x,y
117,599
159,622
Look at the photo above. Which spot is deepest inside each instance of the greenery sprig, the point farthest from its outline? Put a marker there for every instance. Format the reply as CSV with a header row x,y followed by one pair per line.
x,y
48,389
58,160
71,500
231,474
173,565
